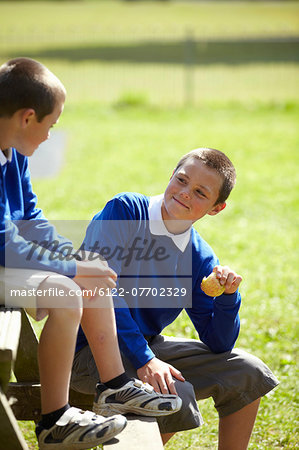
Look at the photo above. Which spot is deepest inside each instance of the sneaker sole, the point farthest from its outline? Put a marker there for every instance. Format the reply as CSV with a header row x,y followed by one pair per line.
x,y
111,409
84,445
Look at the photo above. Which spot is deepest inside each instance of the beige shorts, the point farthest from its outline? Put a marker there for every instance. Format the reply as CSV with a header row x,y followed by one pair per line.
x,y
19,287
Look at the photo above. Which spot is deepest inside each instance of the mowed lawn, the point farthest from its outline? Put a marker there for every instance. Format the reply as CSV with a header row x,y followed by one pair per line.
x,y
126,128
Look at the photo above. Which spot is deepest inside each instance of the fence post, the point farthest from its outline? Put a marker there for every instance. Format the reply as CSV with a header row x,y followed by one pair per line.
x,y
189,74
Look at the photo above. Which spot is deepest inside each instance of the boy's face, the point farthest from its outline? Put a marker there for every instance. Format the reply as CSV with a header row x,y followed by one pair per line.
x,y
192,192
34,132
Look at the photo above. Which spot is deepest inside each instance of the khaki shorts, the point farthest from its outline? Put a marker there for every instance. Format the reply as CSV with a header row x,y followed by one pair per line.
x,y
233,379
18,288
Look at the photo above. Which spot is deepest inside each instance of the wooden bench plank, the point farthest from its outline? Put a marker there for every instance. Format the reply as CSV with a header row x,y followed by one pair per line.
x,y
140,433
11,436
28,407
10,327
26,366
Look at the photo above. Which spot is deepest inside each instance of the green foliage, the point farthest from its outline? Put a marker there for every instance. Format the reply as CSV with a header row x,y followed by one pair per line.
x,y
131,99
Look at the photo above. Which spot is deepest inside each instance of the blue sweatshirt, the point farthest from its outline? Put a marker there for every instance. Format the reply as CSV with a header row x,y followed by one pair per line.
x,y
21,222
187,259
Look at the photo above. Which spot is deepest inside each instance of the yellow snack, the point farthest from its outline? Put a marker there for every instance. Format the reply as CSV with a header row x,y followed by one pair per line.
x,y
211,285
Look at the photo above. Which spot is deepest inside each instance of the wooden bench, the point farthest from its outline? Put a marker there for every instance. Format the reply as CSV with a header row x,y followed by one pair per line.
x,y
20,400
10,328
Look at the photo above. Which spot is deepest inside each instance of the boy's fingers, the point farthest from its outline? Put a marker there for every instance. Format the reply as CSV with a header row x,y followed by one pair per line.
x,y
176,373
110,283
107,272
112,274
230,280
221,274
170,384
217,269
238,280
152,381
163,385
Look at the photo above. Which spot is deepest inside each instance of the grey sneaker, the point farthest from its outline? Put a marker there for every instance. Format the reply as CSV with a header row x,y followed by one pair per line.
x,y
77,429
135,397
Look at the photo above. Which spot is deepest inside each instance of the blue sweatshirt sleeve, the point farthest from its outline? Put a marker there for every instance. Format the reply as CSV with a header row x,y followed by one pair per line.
x,y
27,239
215,319
112,228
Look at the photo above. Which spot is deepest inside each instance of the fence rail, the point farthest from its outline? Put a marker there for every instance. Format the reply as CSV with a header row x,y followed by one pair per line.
x,y
174,68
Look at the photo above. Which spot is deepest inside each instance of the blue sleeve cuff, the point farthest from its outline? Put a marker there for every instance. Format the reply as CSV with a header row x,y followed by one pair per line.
x,y
141,357
228,299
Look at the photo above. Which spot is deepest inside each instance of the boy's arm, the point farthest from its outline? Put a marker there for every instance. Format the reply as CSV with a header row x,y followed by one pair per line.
x,y
216,319
35,226
16,247
131,341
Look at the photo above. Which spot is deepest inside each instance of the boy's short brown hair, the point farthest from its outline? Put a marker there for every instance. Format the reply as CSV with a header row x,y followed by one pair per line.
x,y
218,161
26,83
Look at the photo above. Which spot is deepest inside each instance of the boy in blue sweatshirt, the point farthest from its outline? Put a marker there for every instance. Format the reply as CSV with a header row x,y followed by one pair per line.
x,y
161,261
35,259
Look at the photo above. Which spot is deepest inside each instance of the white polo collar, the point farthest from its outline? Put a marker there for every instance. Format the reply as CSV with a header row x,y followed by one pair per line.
x,y
158,227
4,157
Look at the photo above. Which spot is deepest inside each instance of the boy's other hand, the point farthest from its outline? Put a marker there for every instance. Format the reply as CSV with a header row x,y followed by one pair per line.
x,y
160,375
228,278
95,274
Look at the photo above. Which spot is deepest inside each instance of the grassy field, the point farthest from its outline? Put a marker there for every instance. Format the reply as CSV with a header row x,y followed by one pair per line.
x,y
125,132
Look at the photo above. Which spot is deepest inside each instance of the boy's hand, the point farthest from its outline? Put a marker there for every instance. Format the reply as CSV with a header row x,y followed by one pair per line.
x,y
228,278
95,274
159,374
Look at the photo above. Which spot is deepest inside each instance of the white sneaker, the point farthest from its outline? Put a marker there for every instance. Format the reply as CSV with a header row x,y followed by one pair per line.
x,y
77,429
137,398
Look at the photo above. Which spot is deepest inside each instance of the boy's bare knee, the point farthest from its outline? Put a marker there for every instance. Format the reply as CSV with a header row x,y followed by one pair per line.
x,y
61,292
66,315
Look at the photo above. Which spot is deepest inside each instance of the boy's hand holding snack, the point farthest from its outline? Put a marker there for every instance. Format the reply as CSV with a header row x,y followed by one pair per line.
x,y
221,280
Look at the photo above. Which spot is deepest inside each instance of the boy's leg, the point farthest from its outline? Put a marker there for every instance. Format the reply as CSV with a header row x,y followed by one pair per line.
x,y
57,343
235,380
235,429
100,330
116,392
63,426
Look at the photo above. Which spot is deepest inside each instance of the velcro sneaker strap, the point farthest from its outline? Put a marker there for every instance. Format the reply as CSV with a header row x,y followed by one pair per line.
x,y
138,383
148,388
86,418
69,415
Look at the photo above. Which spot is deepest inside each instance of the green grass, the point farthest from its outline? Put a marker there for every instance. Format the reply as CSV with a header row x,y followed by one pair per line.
x,y
134,148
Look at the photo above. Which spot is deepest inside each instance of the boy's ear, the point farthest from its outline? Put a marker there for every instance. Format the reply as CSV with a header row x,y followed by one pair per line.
x,y
217,208
26,116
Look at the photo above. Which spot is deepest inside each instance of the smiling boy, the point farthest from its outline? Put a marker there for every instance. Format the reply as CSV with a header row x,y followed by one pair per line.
x,y
195,369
